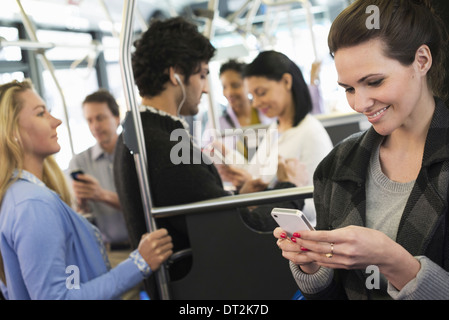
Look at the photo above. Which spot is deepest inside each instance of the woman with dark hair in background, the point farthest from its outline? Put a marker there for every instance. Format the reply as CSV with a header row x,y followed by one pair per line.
x,y
279,91
239,112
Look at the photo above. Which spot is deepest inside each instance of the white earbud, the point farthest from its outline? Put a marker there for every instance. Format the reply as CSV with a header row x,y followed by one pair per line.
x,y
183,92
177,77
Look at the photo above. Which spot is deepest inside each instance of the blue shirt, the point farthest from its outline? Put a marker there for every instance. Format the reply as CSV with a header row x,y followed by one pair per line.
x,y
48,249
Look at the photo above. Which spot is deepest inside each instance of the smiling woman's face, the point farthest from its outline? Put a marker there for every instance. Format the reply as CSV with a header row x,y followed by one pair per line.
x,y
383,89
234,90
271,97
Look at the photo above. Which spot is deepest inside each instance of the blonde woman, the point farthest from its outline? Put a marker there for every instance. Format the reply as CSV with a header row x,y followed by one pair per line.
x,y
49,251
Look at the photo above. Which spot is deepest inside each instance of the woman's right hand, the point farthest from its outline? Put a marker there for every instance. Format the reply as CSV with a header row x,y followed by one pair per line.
x,y
294,252
293,171
236,176
253,185
155,248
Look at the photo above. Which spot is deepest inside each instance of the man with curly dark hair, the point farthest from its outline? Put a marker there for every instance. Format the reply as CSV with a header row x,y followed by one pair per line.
x,y
170,65
169,48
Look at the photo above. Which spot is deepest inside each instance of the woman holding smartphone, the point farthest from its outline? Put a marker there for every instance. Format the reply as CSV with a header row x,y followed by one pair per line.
x,y
382,195
47,250
280,92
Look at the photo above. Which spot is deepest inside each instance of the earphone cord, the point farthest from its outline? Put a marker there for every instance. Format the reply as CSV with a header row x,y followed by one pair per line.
x,y
183,97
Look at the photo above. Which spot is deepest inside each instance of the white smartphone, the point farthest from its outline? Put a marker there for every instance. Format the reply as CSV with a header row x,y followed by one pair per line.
x,y
291,220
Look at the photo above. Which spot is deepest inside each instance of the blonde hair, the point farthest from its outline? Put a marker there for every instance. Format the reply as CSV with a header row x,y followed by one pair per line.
x,y
11,152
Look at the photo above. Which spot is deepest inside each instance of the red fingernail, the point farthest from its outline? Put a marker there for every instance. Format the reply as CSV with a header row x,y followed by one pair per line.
x,y
293,239
297,235
283,235
304,249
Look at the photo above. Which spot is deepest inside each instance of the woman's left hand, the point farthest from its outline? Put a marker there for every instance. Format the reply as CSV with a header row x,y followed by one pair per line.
x,y
253,185
351,247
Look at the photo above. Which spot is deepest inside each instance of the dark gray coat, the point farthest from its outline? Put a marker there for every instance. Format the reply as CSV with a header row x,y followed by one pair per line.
x,y
339,193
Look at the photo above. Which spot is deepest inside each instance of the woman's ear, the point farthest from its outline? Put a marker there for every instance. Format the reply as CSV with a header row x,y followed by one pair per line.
x,y
287,79
423,59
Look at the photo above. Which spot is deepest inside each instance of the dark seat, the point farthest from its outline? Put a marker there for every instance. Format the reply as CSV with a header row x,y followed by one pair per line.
x,y
229,260
127,185
341,126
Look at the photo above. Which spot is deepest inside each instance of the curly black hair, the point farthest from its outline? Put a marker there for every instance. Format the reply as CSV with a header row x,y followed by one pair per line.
x,y
169,43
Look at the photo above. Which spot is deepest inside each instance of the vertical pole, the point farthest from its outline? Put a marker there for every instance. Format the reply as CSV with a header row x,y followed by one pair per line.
x,y
140,155
209,33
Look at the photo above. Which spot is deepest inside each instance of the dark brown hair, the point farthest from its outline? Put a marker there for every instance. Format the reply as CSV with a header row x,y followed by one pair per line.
x,y
233,65
404,25
101,96
273,65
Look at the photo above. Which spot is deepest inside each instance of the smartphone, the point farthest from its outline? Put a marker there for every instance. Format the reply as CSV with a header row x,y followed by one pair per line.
x,y
291,220
75,174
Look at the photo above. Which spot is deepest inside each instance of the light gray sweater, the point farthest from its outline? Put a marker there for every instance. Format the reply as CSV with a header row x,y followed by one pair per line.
x,y
386,200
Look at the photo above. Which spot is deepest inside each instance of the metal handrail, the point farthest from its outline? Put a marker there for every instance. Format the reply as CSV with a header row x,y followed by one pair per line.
x,y
140,156
236,201
209,32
